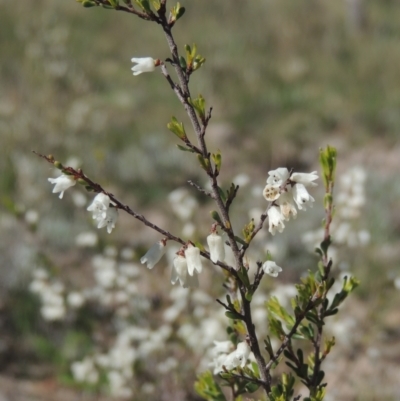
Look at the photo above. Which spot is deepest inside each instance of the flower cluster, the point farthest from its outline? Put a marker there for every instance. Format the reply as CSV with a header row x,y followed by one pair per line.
x,y
102,209
230,361
187,262
103,212
286,190
51,293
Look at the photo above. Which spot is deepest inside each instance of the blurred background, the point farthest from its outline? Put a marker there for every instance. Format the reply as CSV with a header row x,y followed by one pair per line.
x,y
80,318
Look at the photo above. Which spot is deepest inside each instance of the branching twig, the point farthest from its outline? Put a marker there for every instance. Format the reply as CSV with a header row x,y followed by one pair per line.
x,y
200,189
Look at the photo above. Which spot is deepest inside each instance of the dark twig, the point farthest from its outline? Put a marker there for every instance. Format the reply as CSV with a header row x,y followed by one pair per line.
x,y
200,189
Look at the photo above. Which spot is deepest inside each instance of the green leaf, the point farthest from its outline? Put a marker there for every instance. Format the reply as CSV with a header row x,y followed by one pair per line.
x,y
222,194
217,159
177,128
233,315
278,310
199,105
88,4
240,240
207,387
248,230
268,346
243,276
182,62
216,217
204,163
144,5
251,387
114,3
185,149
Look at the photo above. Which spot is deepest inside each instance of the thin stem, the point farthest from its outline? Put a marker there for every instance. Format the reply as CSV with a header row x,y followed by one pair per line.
x,y
183,95
264,373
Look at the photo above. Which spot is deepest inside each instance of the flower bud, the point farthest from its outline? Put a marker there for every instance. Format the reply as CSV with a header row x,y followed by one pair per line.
x,y
193,260
154,254
216,245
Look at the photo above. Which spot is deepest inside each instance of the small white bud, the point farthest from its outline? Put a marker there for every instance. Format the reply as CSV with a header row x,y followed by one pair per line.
x,y
217,249
154,254
193,260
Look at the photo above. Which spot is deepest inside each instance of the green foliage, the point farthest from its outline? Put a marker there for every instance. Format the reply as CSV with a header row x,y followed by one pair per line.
x,y
217,159
207,387
283,391
277,310
248,230
177,128
327,159
176,13
199,105
193,60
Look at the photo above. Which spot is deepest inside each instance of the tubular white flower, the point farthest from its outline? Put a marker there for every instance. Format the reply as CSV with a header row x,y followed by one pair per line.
x,y
99,206
271,268
62,183
193,260
109,220
286,206
302,197
305,178
275,219
271,192
278,176
180,272
154,254
222,347
143,64
217,249
238,357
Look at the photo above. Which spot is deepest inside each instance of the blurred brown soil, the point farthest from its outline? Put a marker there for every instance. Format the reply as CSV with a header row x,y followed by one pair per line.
x,y
12,389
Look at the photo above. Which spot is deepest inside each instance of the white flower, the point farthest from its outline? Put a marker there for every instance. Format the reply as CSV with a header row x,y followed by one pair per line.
x,y
238,357
302,197
217,363
271,268
143,64
53,312
86,239
217,249
62,183
286,205
221,347
193,260
271,192
84,371
305,178
154,254
75,299
99,206
180,272
109,220
278,176
275,219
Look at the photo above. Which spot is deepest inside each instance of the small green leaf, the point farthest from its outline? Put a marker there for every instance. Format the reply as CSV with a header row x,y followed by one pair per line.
x,y
233,315
216,217
243,276
177,128
182,62
185,149
88,4
240,240
204,163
